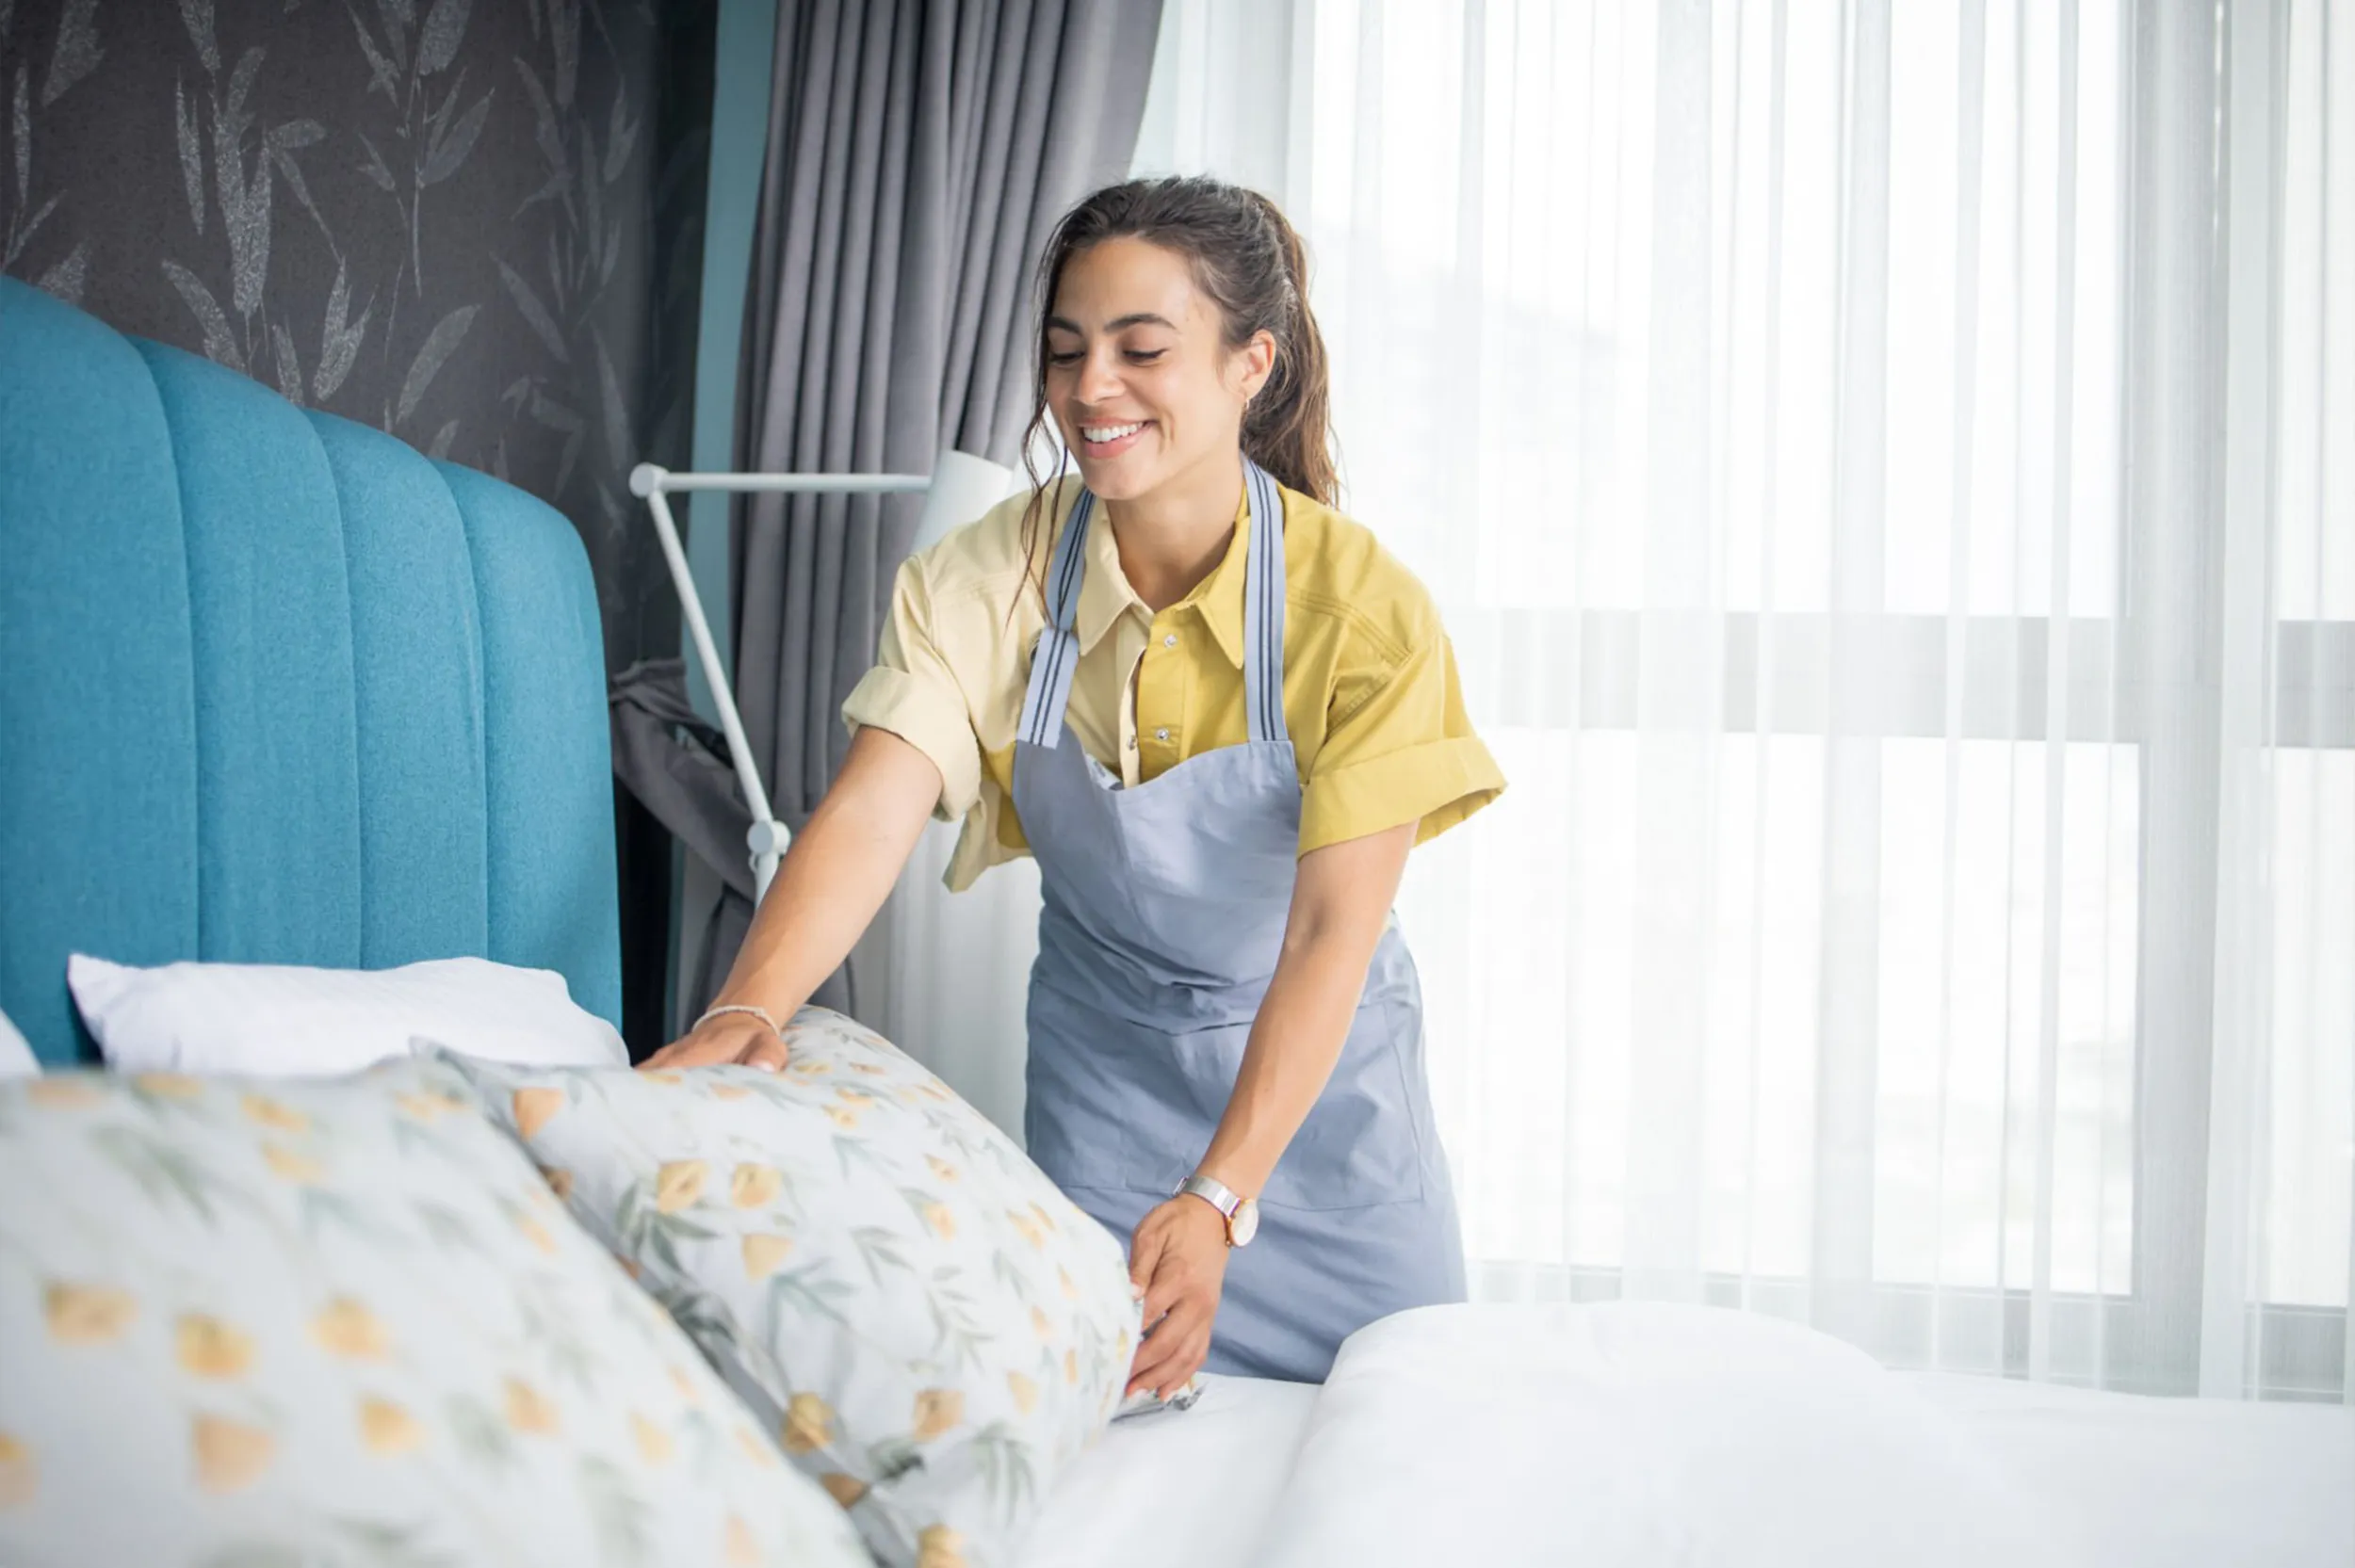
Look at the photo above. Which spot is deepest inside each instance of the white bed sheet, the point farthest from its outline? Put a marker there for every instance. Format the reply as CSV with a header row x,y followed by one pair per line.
x,y
1184,1489
2139,1482
2124,1481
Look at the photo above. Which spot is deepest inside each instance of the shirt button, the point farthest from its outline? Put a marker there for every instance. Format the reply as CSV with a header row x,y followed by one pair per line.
x,y
1161,735
1133,743
1170,641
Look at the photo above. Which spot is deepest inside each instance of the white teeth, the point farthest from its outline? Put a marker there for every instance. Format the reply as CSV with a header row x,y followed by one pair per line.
x,y
1102,433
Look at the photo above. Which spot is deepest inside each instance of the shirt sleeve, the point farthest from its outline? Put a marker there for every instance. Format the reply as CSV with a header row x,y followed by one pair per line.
x,y
1398,747
913,692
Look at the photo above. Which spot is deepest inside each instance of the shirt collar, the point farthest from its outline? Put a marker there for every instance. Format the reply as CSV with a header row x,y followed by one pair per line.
x,y
1105,593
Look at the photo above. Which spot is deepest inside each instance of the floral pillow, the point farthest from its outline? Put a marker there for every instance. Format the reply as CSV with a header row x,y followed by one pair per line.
x,y
930,1327
342,1320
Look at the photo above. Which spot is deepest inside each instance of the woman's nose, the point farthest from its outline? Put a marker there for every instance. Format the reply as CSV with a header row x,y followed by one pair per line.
x,y
1099,379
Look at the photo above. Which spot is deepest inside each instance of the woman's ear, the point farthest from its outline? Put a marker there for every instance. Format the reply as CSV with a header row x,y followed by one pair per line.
x,y
1258,360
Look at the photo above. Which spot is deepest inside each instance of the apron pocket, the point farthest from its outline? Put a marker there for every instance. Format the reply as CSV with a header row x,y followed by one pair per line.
x,y
1359,1145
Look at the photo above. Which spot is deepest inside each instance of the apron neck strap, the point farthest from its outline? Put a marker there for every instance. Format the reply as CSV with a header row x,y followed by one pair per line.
x,y
1056,655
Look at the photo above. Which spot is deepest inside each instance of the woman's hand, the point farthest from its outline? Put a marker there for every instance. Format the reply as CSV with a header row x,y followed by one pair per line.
x,y
1179,1260
723,1038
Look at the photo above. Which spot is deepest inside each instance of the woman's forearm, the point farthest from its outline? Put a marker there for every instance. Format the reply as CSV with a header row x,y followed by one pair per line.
x,y
1295,1039
835,874
1339,906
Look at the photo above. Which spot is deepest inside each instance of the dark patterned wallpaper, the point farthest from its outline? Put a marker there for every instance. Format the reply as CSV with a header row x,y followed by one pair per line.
x,y
477,224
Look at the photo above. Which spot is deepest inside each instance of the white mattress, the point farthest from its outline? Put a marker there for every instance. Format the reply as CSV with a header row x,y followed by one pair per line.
x,y
1184,1489
2129,1482
2140,1482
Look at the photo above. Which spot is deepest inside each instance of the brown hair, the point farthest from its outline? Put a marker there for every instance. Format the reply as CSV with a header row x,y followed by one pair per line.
x,y
1250,262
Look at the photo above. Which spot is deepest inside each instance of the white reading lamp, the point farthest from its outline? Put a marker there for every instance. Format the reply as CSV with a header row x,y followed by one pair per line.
x,y
960,488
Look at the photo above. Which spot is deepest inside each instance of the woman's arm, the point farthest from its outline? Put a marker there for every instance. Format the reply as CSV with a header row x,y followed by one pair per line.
x,y
835,874
1340,902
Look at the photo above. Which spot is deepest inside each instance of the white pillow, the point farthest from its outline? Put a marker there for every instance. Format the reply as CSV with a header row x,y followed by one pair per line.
x,y
276,1020
16,1056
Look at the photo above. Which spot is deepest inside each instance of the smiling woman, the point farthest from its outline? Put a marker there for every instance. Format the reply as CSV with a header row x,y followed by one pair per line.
x,y
1218,714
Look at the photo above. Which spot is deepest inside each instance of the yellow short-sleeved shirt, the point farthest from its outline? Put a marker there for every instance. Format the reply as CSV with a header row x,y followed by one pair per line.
x,y
1370,696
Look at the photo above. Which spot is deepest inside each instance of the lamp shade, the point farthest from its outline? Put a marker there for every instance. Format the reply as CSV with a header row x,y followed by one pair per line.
x,y
963,487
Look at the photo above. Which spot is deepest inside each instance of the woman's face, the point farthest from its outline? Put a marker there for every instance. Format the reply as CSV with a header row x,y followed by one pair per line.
x,y
1139,377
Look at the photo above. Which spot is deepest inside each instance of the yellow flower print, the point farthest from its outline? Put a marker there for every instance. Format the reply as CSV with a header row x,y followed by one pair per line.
x,y
1120,1345
168,1085
842,1116
273,1113
938,1546
756,1447
857,1098
872,1069
630,1265
386,1429
536,1233
428,1105
295,1167
941,1168
20,1477
686,1385
938,1409
1071,1366
87,1314
1047,1220
532,1109
943,1222
1062,1277
763,1254
654,1443
63,1092
846,1489
808,1424
743,1550
527,1409
1025,1392
729,1091
345,1328
1040,1324
807,1067
559,1181
1026,1228
211,1348
678,1183
753,1186
230,1455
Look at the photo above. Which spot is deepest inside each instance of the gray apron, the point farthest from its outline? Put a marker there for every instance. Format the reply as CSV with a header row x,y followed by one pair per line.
x,y
1164,907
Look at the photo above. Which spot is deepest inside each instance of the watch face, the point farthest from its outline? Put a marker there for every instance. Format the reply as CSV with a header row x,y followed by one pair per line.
x,y
1245,1222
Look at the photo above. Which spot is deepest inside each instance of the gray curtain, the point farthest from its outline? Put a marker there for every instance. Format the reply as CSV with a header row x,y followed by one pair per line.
x,y
919,152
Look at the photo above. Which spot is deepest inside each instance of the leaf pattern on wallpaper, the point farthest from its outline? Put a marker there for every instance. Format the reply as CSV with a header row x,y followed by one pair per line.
x,y
439,346
535,315
184,119
77,53
219,346
328,198
197,17
339,342
444,27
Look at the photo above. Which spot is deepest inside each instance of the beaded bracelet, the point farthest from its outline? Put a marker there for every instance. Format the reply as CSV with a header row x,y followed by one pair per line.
x,y
761,1013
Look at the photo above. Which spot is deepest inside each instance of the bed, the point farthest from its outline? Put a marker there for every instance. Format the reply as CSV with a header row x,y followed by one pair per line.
x,y
280,690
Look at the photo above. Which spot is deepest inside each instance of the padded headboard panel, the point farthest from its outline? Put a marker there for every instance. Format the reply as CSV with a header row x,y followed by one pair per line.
x,y
274,689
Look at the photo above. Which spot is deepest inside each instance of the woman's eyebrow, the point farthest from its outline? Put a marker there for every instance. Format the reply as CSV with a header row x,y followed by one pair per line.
x,y
1140,318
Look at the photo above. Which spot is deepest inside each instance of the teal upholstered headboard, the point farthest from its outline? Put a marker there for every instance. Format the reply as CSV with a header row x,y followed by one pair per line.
x,y
275,689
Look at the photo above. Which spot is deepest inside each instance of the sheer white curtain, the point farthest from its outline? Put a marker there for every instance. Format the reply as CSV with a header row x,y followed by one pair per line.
x,y
1887,470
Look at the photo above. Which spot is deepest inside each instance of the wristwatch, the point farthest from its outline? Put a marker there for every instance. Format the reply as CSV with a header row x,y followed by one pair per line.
x,y
1241,1214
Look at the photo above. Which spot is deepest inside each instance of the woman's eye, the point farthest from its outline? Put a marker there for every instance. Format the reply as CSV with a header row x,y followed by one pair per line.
x,y
1146,356
1072,358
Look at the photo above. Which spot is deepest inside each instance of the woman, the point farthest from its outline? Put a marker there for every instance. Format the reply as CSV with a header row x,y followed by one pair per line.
x,y
1218,715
